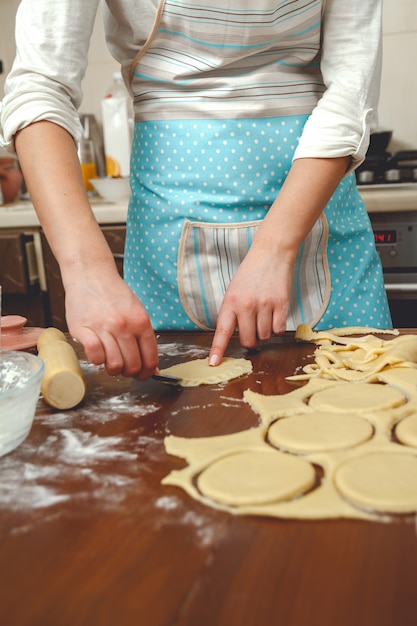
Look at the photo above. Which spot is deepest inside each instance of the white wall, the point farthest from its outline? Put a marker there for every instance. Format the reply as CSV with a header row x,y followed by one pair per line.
x,y
7,48
100,67
398,102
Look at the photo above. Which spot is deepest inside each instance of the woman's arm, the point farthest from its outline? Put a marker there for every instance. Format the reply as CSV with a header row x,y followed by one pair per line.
x,y
257,299
39,118
52,42
341,123
335,138
102,312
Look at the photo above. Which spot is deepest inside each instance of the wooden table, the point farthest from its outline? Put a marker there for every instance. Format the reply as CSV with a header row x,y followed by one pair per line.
x,y
89,536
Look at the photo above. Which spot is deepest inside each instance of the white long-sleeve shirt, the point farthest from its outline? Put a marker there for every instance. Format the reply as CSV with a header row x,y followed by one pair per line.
x,y
52,51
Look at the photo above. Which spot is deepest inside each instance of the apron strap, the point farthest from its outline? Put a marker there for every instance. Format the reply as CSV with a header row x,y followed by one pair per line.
x,y
152,34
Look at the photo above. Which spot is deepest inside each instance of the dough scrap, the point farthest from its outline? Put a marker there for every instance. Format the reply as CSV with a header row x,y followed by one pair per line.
x,y
198,372
256,477
360,359
383,481
318,432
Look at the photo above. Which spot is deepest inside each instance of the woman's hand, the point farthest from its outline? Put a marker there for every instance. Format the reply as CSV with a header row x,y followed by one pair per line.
x,y
111,323
256,301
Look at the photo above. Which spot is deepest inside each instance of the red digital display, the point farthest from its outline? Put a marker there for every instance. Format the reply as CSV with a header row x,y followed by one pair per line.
x,y
385,236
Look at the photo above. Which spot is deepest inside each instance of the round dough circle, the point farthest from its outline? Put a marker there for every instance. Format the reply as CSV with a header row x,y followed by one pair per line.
x,y
406,431
357,397
256,477
382,481
198,372
319,431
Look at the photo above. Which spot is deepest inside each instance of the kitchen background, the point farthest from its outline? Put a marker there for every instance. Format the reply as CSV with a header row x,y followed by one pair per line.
x,y
398,104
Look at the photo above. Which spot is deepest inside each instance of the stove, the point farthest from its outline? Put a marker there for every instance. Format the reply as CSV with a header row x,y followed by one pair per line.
x,y
396,241
390,195
389,169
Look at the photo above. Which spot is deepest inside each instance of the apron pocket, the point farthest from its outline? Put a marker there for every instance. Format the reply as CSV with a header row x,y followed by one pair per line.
x,y
209,255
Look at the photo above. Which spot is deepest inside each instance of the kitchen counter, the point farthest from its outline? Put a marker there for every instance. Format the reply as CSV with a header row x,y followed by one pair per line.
x,y
385,198
89,536
21,214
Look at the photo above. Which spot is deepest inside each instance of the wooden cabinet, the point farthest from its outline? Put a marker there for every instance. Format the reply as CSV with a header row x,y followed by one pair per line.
x,y
19,277
115,235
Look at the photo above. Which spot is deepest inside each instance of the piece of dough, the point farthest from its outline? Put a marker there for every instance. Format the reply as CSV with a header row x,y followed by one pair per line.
x,y
357,397
304,332
199,372
364,358
256,477
406,431
319,432
383,481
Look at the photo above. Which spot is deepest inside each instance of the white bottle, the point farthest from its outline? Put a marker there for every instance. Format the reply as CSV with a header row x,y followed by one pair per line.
x,y
117,115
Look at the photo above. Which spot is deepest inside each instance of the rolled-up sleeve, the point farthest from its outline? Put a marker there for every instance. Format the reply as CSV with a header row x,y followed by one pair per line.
x,y
52,40
341,123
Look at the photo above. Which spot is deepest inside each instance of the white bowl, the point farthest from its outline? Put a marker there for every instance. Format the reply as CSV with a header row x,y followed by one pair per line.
x,y
112,189
20,382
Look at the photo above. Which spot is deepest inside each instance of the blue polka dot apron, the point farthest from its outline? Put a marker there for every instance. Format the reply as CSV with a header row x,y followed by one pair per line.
x,y
210,153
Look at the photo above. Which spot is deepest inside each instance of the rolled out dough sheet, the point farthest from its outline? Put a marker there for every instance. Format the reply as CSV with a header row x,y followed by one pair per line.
x,y
358,439
198,372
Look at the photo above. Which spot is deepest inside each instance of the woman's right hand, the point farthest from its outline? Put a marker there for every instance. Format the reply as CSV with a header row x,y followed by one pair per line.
x,y
108,319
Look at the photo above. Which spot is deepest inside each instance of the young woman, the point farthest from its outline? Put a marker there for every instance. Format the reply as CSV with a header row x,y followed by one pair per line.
x,y
249,121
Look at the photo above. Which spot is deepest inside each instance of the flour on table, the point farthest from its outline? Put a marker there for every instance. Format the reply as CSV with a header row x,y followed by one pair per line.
x,y
20,488
102,408
203,529
79,446
76,458
179,349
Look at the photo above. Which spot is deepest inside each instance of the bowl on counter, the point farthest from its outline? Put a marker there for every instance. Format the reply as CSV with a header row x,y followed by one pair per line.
x,y
112,189
10,179
20,382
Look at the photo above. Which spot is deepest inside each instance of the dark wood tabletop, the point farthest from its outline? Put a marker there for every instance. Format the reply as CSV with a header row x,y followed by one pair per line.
x,y
90,537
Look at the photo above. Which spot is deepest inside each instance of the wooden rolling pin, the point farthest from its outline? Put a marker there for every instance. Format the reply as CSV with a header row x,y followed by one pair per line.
x,y
63,384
